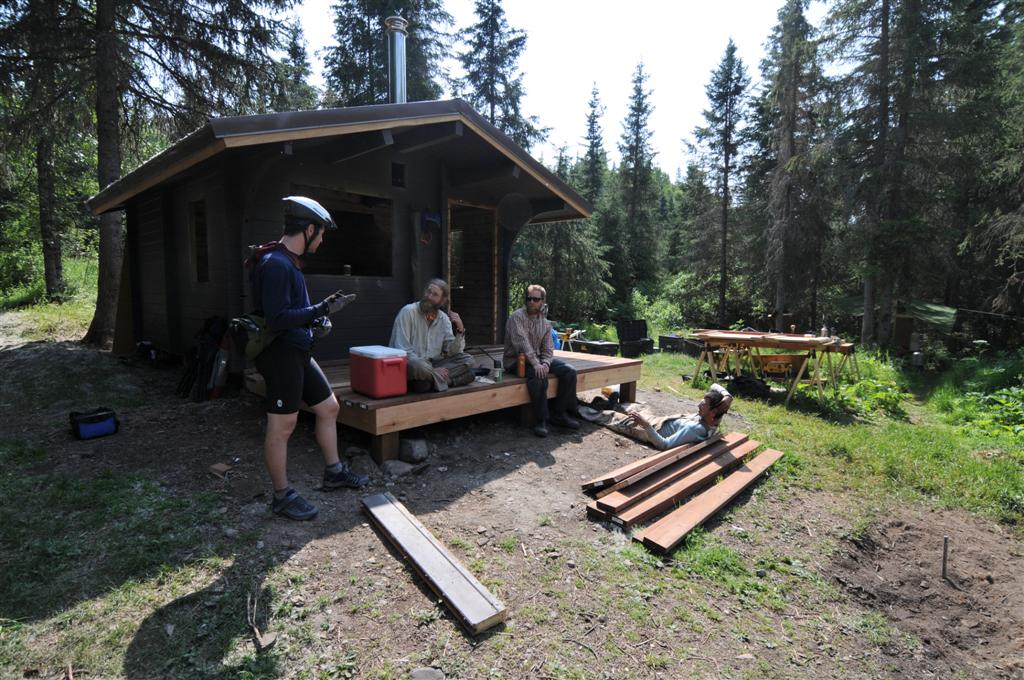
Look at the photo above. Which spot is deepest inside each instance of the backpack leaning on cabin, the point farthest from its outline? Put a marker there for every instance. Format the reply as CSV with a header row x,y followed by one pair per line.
x,y
206,366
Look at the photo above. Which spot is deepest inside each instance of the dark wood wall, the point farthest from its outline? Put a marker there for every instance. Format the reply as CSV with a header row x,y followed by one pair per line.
x,y
242,191
474,293
369,319
199,300
150,268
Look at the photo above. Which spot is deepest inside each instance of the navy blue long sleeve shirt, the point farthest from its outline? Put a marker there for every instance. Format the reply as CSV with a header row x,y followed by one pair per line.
x,y
285,300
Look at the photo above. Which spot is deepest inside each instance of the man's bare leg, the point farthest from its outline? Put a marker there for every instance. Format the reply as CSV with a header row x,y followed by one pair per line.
x,y
275,446
326,413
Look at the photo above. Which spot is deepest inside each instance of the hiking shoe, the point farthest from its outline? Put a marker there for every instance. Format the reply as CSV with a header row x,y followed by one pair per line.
x,y
344,477
294,506
540,429
565,421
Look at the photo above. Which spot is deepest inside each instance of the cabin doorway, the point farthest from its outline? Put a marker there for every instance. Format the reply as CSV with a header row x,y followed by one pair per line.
x,y
473,271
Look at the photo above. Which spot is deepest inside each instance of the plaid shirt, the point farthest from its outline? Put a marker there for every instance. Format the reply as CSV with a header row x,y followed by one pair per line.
x,y
529,335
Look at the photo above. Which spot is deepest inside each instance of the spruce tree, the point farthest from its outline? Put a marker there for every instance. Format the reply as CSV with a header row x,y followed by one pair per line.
x,y
356,67
37,112
632,227
292,91
492,84
795,236
727,97
567,258
594,165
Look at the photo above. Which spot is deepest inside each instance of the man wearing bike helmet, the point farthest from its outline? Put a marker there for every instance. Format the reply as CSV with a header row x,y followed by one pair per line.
x,y
289,371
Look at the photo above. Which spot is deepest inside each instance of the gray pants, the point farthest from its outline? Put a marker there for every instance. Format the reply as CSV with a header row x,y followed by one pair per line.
x,y
423,369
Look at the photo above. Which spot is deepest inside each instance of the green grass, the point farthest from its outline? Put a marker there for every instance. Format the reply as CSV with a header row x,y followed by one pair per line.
x,y
922,457
70,318
84,559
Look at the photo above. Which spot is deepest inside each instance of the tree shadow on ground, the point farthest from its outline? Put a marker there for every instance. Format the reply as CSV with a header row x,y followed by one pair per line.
x,y
105,528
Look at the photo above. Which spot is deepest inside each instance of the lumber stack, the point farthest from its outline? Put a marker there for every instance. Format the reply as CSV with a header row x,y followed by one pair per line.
x,y
679,482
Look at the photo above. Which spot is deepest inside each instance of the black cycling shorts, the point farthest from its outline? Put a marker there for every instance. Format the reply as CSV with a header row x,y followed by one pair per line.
x,y
292,376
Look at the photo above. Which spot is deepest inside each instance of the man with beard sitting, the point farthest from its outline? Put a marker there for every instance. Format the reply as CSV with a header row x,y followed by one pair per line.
x,y
433,341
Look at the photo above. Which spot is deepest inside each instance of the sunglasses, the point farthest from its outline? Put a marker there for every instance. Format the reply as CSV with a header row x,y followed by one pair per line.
x,y
530,298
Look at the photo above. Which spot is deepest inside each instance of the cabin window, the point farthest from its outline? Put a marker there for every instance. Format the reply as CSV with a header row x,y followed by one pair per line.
x,y
199,241
362,244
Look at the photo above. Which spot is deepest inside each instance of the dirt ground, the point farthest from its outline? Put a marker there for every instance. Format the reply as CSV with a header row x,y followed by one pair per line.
x,y
860,599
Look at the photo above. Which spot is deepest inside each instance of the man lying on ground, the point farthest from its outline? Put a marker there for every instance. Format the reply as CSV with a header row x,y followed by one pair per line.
x,y
672,432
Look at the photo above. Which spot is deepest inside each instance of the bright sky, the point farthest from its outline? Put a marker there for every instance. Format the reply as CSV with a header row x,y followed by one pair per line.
x,y
573,44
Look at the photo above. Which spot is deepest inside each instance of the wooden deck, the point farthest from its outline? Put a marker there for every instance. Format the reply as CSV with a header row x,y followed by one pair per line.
x,y
385,418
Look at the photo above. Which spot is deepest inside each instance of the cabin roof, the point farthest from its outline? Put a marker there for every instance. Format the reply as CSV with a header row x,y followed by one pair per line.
x,y
472,149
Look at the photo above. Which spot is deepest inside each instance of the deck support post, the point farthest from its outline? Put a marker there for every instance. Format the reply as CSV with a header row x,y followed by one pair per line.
x,y
627,391
384,447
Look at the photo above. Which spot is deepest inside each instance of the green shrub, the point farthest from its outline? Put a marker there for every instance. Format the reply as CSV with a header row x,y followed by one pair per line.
x,y
863,398
874,396
996,413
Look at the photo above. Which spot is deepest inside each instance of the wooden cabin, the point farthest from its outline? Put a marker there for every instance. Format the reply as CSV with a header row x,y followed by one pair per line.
x,y
418,190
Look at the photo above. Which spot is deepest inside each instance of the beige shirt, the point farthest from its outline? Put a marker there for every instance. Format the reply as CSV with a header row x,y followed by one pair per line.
x,y
422,339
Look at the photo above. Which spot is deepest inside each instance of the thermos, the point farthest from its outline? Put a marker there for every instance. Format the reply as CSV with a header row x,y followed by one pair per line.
x,y
521,366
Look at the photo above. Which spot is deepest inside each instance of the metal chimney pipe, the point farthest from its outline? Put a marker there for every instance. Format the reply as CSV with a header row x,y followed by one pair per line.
x,y
396,58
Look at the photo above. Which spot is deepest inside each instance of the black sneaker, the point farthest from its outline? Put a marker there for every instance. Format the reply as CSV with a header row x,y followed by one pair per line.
x,y
344,477
565,421
294,506
540,429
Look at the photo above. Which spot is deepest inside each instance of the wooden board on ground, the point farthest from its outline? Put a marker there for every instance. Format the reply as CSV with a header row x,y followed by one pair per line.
x,y
686,451
665,497
670,530
637,466
594,512
468,599
634,493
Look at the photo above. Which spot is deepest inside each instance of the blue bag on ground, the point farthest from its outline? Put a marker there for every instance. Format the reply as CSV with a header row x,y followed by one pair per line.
x,y
96,423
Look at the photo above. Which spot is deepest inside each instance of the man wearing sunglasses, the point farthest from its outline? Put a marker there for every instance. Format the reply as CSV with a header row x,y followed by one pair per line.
x,y
528,332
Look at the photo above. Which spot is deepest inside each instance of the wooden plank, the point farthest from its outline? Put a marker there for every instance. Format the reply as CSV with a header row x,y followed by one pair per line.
x,y
684,451
594,512
665,497
475,607
619,500
631,468
669,531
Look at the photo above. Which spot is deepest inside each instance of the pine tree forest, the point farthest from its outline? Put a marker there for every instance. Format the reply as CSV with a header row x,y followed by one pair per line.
x,y
868,164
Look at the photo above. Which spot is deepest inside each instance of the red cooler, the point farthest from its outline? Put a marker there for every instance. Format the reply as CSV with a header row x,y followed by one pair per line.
x,y
377,371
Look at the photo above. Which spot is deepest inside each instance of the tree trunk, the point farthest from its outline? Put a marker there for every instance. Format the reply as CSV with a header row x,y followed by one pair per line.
x,y
867,327
886,289
723,273
49,231
780,303
867,330
108,151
